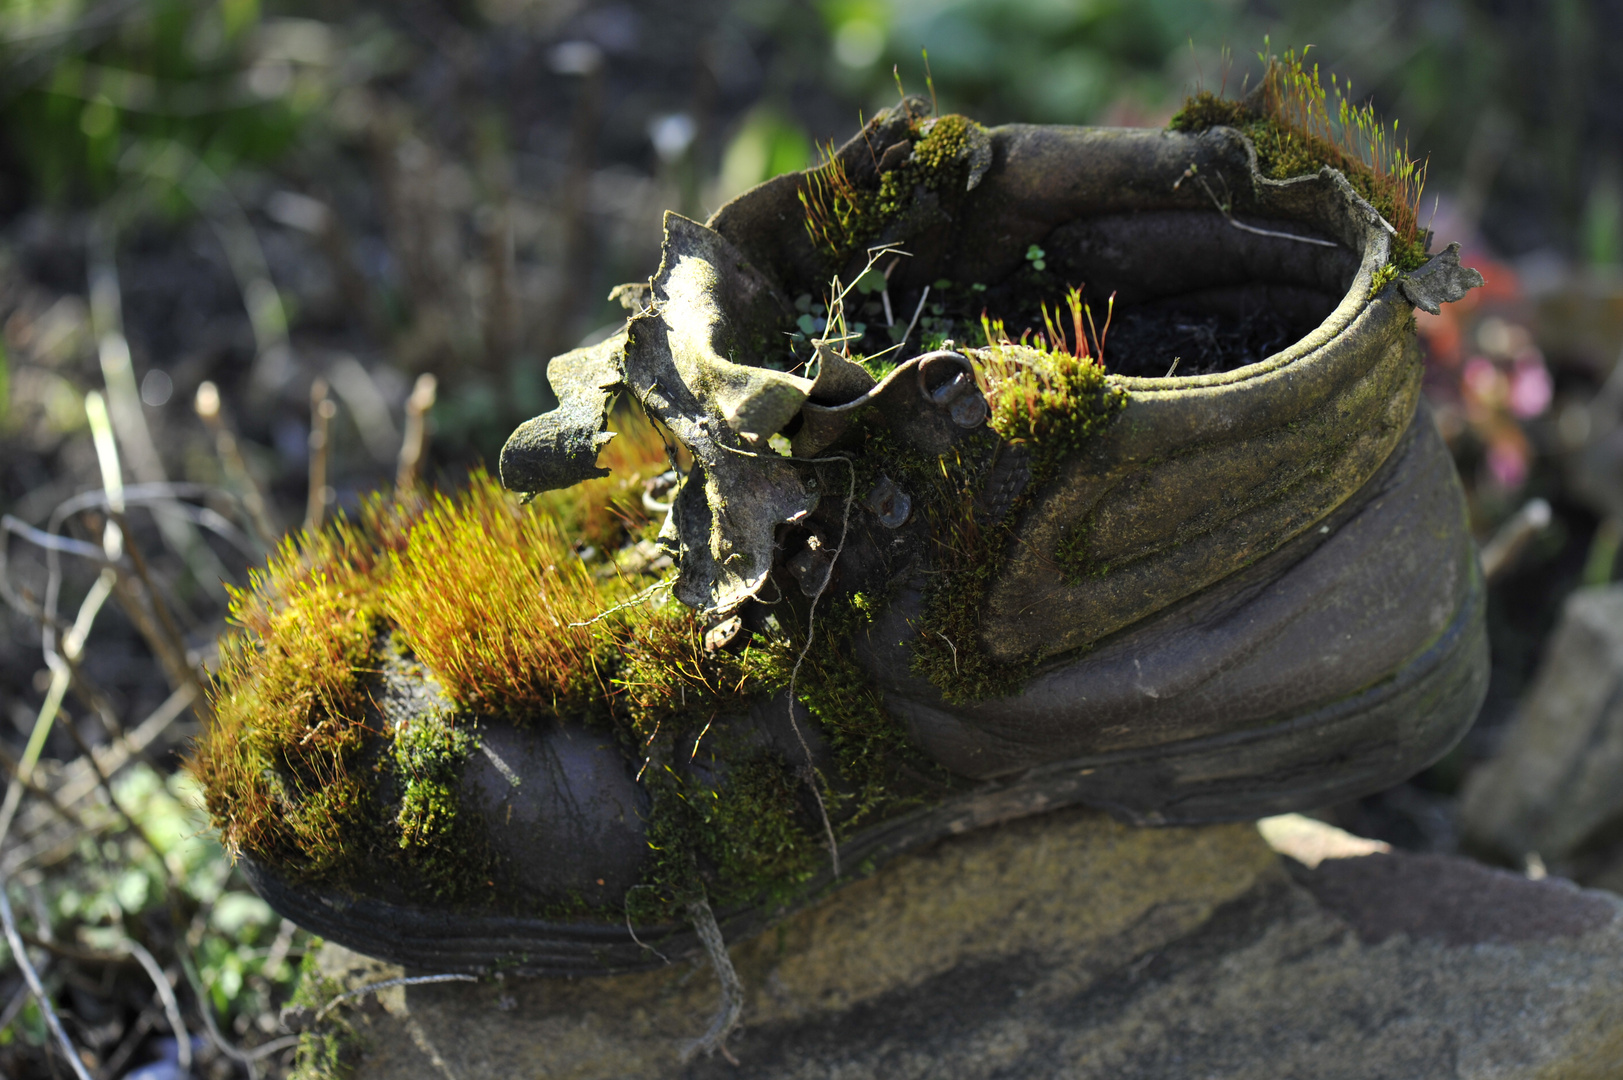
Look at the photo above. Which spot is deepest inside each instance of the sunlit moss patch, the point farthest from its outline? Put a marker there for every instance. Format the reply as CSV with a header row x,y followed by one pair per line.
x,y
1049,398
485,608
1297,131
842,215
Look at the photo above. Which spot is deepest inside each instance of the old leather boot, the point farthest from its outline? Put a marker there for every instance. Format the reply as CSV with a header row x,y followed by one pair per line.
x,y
933,564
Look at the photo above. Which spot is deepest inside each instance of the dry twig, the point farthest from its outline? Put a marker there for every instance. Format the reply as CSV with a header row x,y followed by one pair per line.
x,y
322,410
415,443
19,953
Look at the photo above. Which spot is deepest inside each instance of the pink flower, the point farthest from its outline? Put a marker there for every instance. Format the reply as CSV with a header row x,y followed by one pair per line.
x,y
1530,388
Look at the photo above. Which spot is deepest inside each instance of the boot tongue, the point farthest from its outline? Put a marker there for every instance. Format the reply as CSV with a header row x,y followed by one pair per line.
x,y
703,340
692,360
694,357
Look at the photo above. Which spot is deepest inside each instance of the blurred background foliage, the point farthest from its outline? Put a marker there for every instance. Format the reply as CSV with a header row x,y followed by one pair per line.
x,y
211,210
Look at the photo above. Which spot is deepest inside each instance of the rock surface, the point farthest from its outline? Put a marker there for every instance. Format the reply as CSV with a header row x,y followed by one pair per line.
x,y
1553,791
1070,945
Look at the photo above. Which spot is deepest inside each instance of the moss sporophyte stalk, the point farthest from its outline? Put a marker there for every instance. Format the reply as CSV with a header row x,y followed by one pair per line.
x,y
1290,122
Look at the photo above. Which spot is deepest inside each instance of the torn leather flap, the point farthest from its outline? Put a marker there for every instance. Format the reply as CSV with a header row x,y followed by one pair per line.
x,y
838,380
821,426
559,448
1441,281
722,317
693,355
692,359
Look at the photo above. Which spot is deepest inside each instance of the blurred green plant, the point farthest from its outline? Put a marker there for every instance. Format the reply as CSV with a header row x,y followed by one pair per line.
x,y
768,143
84,81
1602,234
1030,60
179,896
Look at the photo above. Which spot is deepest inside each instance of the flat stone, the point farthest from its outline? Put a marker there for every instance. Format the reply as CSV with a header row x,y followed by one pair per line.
x,y
1070,945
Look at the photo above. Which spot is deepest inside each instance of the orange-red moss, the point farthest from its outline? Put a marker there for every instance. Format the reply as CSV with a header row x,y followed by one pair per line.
x,y
479,588
289,699
488,595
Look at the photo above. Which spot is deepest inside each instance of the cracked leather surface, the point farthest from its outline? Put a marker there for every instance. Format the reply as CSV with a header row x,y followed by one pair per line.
x,y
1340,608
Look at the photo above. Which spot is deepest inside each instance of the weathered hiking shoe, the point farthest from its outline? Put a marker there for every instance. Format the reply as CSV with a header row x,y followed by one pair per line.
x,y
1221,574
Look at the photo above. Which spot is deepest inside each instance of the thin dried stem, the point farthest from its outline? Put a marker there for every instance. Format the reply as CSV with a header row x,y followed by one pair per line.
x,y
205,1009
794,673
732,989
166,995
322,411
914,321
413,980
415,444
72,645
207,404
19,953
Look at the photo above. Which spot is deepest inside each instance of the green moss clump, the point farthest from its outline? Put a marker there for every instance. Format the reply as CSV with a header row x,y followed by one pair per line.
x,y
442,839
756,832
287,785
759,836
286,765
943,142
299,768
1294,134
1382,277
666,683
1051,403
428,758
842,218
1205,109
1071,554
749,840
734,843
1283,153
1048,405
521,649
875,754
